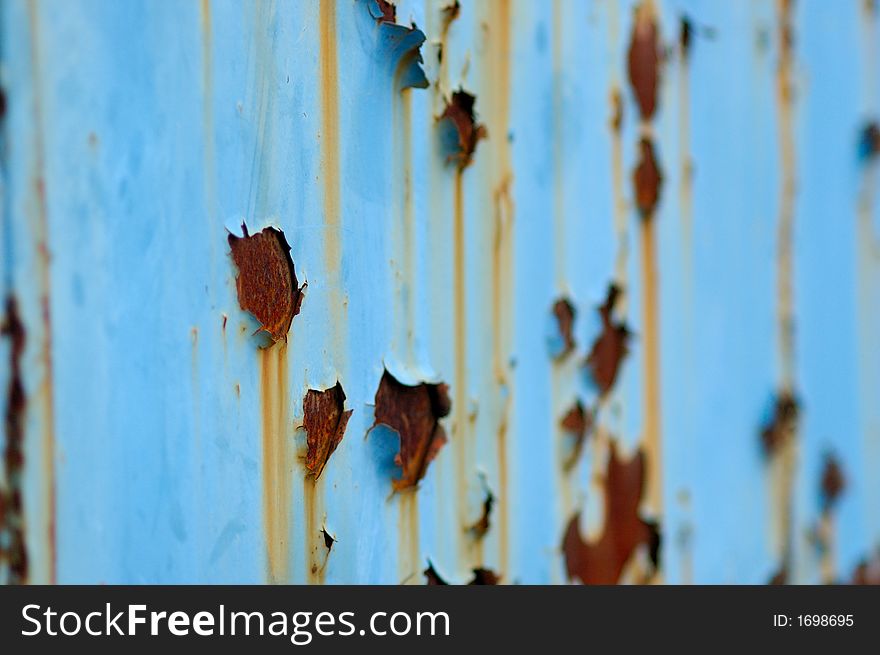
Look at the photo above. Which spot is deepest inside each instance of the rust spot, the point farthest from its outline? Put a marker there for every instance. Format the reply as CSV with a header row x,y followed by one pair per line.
x,y
647,179
481,577
616,110
833,482
869,141
482,525
485,576
12,539
459,113
224,322
384,12
414,412
782,424
610,347
432,577
329,539
779,578
867,571
602,562
324,420
644,61
565,313
266,281
685,34
577,422
450,13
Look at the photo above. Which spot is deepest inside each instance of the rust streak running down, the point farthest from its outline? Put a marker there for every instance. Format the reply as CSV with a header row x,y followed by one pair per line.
x,y
603,561
277,459
414,412
266,280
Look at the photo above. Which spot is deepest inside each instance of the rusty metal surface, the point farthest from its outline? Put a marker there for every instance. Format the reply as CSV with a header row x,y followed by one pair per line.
x,y
576,291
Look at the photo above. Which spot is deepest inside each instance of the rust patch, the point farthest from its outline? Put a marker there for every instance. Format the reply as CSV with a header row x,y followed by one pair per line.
x,y
13,551
616,110
644,60
485,576
432,577
625,530
414,412
266,281
324,420
610,347
565,314
329,539
782,425
578,423
685,34
384,12
647,179
869,141
459,113
833,482
481,577
482,525
867,571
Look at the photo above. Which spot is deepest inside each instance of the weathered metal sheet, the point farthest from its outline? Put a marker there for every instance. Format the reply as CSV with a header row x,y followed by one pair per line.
x,y
712,161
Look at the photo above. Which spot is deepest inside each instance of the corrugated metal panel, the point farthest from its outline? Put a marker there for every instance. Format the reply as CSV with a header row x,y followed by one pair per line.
x,y
162,439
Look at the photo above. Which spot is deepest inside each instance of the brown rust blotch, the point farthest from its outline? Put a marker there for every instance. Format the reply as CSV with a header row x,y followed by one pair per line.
x,y
833,482
482,525
266,282
603,561
414,412
577,422
329,539
685,35
647,179
324,420
869,141
610,347
13,551
485,577
432,577
616,110
388,12
782,425
644,60
459,112
565,314
867,572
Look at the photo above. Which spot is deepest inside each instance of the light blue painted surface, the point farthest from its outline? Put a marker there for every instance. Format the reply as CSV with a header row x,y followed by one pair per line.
x,y
157,125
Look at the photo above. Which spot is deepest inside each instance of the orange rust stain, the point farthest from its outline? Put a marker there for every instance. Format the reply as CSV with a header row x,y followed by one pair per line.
x,y
652,437
330,156
45,395
498,75
461,426
277,460
784,460
409,558
619,200
315,550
